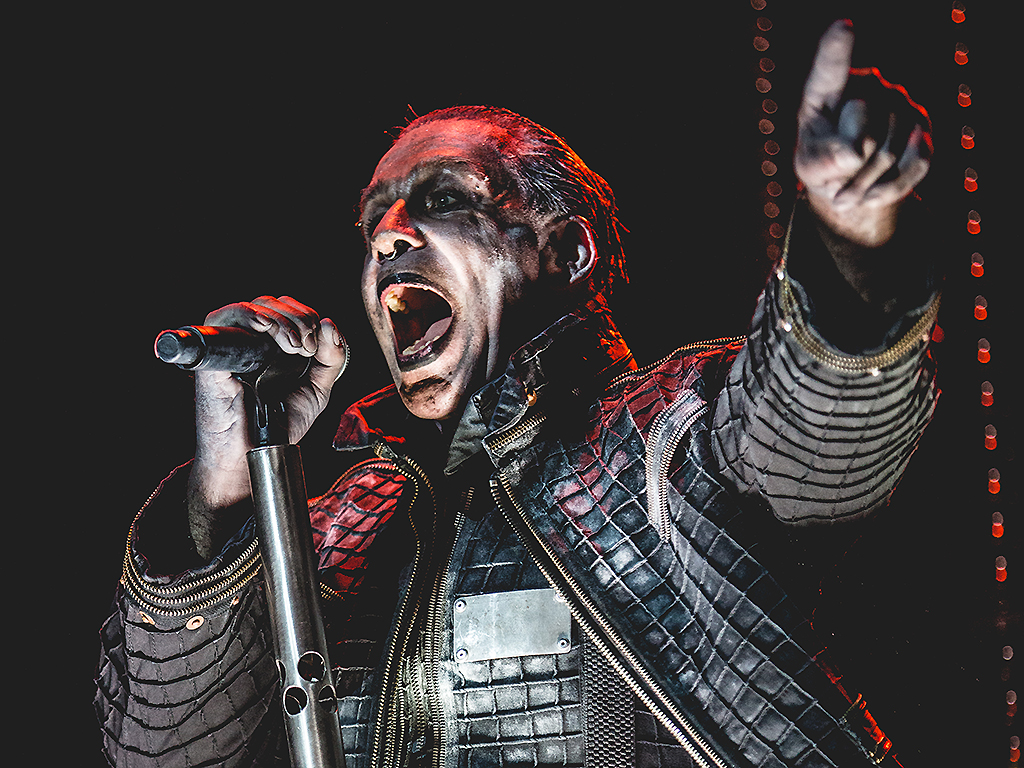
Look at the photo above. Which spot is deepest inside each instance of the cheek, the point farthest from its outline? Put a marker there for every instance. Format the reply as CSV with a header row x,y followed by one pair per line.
x,y
509,256
372,307
367,288
491,280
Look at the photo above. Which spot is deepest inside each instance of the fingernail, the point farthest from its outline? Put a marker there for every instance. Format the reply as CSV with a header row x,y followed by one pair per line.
x,y
335,333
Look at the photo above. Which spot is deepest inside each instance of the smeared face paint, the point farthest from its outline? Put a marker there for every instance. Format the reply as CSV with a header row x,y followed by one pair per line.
x,y
450,254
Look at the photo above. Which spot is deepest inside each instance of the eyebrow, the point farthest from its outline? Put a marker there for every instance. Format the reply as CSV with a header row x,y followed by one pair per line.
x,y
383,187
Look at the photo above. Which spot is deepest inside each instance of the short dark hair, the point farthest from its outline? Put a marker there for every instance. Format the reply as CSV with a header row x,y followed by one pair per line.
x,y
553,179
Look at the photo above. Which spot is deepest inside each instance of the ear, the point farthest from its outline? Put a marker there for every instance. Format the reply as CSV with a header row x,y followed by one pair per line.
x,y
570,254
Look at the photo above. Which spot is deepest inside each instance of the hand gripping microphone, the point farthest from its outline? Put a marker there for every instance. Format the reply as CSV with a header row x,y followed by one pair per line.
x,y
216,348
287,554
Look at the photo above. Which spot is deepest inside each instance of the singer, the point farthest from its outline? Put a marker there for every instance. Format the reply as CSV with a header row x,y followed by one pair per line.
x,y
543,554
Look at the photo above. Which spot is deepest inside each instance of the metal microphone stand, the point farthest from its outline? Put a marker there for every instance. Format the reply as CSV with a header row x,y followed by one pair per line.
x,y
308,696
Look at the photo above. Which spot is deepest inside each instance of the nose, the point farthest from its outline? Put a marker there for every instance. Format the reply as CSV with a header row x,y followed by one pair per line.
x,y
394,234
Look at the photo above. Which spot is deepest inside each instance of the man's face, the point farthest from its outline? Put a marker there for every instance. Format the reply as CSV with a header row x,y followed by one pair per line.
x,y
450,251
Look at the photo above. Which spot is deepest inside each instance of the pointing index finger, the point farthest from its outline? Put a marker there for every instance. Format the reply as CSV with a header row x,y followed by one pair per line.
x,y
830,70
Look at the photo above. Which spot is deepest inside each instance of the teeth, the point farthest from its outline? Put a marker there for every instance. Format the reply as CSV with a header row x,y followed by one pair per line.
x,y
395,304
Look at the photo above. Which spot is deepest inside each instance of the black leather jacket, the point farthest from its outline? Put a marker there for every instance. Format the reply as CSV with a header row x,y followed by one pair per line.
x,y
639,496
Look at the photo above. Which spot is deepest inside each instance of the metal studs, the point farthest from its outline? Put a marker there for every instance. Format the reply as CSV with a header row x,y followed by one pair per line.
x,y
563,644
460,605
194,623
145,618
461,654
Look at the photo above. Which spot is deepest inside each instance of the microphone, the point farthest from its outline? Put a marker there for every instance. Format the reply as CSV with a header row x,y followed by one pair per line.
x,y
216,348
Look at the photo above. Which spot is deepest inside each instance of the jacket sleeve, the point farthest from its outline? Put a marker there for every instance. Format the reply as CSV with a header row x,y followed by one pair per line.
x,y
186,675
816,433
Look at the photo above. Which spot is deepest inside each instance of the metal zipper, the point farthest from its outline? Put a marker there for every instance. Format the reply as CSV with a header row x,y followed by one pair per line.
x,y
390,700
190,595
597,628
660,450
709,344
873,364
189,601
793,320
432,650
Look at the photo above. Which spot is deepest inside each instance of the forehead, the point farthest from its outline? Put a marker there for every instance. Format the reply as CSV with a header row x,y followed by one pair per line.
x,y
474,144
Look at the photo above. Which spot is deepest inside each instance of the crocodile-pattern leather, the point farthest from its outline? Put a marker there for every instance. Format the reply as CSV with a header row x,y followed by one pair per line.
x,y
707,618
699,610
813,443
517,711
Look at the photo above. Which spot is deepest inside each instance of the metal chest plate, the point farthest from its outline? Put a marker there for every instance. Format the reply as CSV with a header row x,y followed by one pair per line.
x,y
530,622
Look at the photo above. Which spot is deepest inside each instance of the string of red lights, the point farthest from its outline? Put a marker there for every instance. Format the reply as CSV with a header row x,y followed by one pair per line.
x,y
988,429
969,139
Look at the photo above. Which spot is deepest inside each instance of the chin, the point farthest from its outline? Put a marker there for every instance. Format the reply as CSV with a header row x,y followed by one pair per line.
x,y
435,387
431,397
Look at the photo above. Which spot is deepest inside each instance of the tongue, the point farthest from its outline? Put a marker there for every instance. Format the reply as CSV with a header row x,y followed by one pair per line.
x,y
434,332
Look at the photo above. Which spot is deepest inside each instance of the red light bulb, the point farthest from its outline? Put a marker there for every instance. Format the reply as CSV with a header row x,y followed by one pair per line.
x,y
977,265
984,351
987,393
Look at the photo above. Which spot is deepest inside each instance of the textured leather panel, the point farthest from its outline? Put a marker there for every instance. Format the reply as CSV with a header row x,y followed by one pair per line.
x,y
520,711
498,701
655,746
814,443
347,519
170,696
490,558
514,711
357,631
730,644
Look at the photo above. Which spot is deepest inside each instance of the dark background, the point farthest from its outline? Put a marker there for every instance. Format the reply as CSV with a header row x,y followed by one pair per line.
x,y
180,161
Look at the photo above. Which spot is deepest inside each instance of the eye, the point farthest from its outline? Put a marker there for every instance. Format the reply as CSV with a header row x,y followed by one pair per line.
x,y
444,201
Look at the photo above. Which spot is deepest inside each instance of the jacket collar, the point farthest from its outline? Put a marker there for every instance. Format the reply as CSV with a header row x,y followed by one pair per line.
x,y
578,354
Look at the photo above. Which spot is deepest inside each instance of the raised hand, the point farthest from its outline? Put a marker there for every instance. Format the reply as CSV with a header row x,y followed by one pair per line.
x,y
862,143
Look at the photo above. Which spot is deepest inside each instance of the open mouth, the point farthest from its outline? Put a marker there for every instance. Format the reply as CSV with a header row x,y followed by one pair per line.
x,y
420,317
